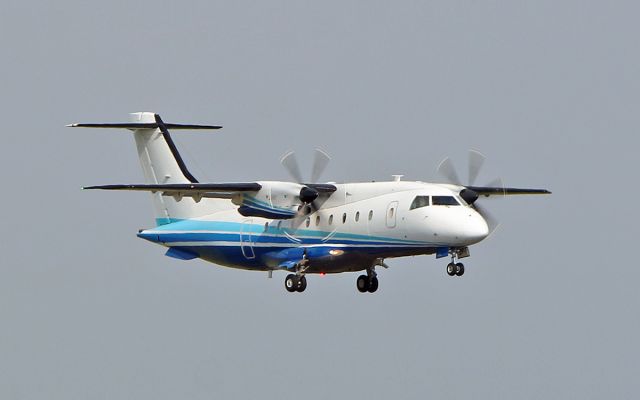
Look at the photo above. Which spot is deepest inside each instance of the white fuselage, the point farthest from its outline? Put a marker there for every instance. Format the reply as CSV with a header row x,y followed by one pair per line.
x,y
368,220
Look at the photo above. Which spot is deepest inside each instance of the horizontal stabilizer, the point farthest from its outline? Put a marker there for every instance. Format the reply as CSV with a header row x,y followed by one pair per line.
x,y
143,125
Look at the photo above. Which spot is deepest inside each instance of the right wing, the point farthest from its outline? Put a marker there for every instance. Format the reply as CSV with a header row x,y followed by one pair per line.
x,y
505,191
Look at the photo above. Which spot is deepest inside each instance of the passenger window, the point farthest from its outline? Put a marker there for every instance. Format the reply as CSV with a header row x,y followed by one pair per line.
x,y
419,201
370,215
308,222
344,218
317,220
331,219
357,216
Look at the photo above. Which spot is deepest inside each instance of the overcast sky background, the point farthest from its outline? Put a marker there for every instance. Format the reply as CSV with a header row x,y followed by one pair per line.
x,y
548,91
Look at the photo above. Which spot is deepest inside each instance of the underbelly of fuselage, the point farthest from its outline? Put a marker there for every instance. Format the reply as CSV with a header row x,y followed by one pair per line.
x,y
257,259
338,253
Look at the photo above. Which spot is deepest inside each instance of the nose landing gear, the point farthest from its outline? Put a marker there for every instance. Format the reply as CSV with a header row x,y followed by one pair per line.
x,y
457,268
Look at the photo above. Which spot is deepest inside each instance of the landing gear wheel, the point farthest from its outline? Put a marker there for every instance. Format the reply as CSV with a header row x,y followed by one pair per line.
x,y
459,269
362,283
302,284
451,269
373,285
291,283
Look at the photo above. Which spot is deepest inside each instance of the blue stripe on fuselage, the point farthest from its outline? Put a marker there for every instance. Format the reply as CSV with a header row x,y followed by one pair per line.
x,y
198,230
222,242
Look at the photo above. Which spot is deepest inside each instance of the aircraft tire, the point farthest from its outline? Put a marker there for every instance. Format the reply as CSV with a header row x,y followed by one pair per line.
x,y
362,283
291,283
302,284
373,285
459,269
451,269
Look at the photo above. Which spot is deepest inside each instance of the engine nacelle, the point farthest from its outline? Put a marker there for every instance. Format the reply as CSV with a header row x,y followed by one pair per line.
x,y
276,200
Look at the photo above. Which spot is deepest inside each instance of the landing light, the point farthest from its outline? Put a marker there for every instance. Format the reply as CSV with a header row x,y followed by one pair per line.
x,y
336,252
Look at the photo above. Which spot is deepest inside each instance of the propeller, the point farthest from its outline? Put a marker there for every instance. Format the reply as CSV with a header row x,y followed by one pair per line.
x,y
475,162
320,161
308,195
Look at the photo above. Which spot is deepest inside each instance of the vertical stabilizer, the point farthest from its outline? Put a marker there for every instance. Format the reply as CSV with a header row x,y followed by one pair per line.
x,y
162,164
159,166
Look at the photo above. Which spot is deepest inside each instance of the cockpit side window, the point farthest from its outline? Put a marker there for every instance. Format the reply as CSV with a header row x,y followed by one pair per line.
x,y
419,201
445,201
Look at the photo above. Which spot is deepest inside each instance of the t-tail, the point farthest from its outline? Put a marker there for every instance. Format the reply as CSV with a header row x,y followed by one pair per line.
x,y
161,164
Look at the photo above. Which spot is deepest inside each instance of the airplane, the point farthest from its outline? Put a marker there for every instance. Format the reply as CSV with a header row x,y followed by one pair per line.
x,y
305,227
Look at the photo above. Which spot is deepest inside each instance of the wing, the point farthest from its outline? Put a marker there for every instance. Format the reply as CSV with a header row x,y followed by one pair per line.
x,y
504,191
195,190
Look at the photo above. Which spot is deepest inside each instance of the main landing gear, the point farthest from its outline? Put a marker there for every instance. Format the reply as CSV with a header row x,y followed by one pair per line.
x,y
295,283
298,282
368,282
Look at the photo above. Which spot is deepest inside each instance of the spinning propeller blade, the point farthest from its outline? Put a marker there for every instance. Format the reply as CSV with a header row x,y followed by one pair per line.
x,y
309,195
476,161
490,219
448,171
320,162
290,163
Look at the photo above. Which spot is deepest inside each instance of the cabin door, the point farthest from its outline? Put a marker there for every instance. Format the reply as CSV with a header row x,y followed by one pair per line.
x,y
392,211
246,239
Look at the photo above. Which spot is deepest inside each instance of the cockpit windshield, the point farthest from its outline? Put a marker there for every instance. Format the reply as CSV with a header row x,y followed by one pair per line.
x,y
444,201
419,201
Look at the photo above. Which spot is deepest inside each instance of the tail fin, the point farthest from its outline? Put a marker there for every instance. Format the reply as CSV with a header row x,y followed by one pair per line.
x,y
161,162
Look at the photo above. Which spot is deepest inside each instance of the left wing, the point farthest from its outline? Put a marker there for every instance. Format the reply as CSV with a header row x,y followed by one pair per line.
x,y
195,190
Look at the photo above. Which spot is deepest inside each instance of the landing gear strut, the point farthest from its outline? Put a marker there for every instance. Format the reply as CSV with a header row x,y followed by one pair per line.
x,y
368,282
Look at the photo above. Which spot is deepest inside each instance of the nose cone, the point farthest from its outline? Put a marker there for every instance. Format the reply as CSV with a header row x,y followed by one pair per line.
x,y
456,226
476,229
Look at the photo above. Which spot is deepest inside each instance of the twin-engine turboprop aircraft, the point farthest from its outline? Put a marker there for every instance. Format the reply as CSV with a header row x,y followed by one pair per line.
x,y
304,228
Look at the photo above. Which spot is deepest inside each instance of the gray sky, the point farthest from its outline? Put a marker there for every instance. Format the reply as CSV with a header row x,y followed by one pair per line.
x,y
548,91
